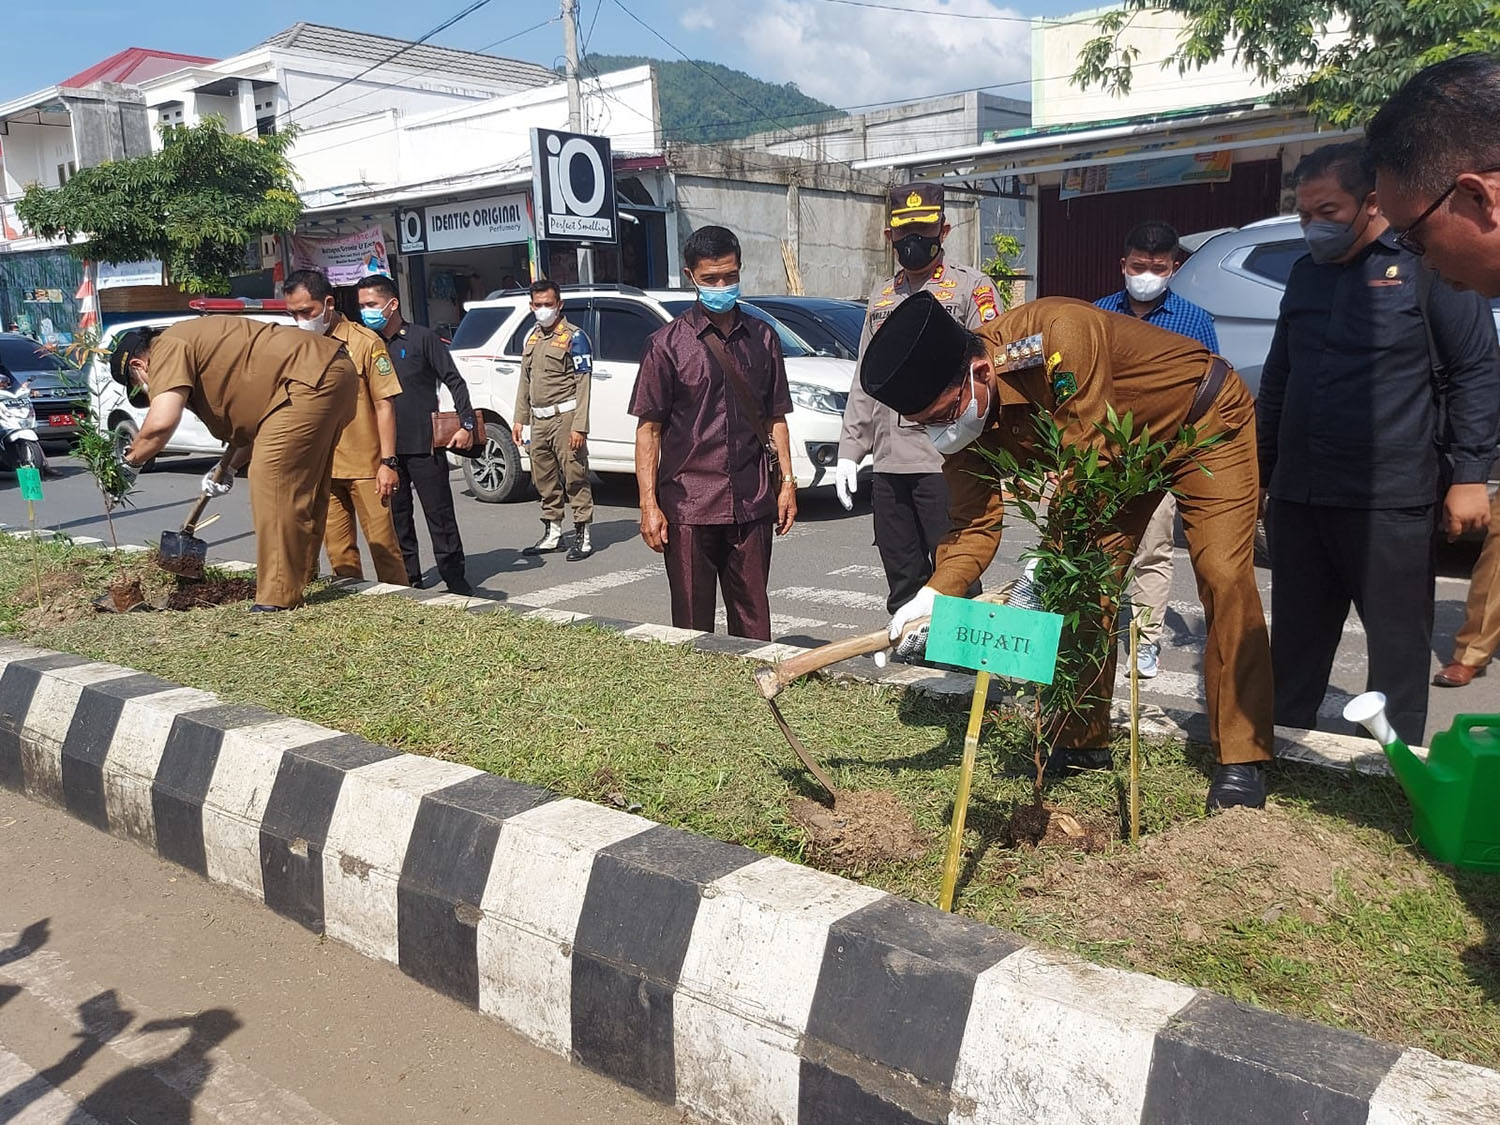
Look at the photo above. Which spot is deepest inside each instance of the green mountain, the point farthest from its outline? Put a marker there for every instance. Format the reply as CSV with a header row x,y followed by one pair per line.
x,y
699,102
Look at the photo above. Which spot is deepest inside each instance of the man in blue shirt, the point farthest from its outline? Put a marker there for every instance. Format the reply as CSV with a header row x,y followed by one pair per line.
x,y
1151,258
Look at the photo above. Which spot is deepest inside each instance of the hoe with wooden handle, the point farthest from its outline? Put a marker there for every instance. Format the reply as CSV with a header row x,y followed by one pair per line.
x,y
771,678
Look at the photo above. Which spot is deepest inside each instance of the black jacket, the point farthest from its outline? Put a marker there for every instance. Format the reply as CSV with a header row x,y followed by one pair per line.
x,y
421,359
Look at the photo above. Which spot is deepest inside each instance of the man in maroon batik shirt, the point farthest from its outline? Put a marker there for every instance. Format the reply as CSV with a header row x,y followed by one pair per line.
x,y
707,501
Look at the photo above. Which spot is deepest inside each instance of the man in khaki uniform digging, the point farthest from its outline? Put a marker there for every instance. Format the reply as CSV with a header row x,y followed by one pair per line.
x,y
364,463
1074,360
279,393
553,398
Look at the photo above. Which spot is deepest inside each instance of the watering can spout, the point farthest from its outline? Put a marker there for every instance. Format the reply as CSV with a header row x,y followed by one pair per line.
x,y
1369,711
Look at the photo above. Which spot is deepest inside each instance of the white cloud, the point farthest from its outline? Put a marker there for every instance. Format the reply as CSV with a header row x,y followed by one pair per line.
x,y
846,56
697,19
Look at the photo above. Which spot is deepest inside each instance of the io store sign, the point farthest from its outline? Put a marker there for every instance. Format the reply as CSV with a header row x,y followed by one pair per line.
x,y
573,183
498,220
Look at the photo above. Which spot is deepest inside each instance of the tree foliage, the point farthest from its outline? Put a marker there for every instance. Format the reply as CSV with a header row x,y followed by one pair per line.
x,y
196,205
1294,45
704,102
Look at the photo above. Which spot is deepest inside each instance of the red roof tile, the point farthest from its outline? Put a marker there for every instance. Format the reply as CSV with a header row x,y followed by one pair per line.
x,y
134,64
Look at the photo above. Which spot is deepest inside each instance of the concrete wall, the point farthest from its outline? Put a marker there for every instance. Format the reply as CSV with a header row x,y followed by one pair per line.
x,y
32,154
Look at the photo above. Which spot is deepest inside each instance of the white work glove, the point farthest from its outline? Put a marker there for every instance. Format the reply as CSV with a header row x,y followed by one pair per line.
x,y
919,606
846,482
211,487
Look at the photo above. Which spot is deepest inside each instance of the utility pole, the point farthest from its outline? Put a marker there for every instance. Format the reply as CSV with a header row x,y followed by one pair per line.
x,y
575,111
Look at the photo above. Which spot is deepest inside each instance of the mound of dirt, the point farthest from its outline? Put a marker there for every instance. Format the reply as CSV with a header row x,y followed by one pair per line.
x,y
206,595
1234,867
1033,826
864,829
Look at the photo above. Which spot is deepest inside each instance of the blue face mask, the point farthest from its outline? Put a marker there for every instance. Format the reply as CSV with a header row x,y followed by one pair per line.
x,y
721,299
374,318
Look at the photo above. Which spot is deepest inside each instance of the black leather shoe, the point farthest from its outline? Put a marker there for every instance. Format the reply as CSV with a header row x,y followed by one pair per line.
x,y
258,608
1237,784
1066,760
459,586
416,583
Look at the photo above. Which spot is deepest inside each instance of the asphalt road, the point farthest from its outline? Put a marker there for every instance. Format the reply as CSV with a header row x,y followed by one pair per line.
x,y
135,993
826,580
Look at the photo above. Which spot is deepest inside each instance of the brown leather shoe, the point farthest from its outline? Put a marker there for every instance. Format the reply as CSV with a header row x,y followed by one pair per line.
x,y
1457,675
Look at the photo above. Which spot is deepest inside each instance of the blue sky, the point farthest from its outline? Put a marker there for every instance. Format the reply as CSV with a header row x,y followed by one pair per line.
x,y
830,48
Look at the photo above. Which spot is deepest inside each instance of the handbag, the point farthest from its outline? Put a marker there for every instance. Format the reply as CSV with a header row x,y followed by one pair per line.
x,y
736,380
446,423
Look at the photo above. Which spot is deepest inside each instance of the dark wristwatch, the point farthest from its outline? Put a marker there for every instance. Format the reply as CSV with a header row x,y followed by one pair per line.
x,y
468,424
391,462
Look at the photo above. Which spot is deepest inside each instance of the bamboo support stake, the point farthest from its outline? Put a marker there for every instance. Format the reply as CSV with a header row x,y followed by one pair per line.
x,y
1135,732
965,780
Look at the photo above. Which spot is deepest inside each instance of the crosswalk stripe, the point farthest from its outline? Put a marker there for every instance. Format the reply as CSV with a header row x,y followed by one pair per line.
x,y
844,599
567,591
29,1099
858,570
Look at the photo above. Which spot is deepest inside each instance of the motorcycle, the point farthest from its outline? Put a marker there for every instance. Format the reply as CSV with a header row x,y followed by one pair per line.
x,y
19,447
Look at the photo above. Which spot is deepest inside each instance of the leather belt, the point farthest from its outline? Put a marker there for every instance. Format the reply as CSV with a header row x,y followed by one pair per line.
x,y
554,411
1208,390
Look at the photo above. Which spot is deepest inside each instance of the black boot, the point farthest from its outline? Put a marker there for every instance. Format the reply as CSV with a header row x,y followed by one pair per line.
x,y
1237,784
1066,760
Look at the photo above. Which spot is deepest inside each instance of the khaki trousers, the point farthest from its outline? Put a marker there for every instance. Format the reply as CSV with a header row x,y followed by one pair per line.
x,y
1476,641
558,472
290,477
1218,521
1151,585
359,500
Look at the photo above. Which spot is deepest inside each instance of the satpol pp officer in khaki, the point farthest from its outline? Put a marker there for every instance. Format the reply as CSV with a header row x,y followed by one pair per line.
x,y
364,463
553,399
264,388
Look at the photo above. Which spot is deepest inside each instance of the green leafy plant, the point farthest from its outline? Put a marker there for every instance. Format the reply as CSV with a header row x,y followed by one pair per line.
x,y
1074,495
197,205
1002,268
92,443
1297,45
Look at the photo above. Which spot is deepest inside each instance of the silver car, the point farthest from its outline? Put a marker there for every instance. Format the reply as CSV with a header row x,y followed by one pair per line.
x,y
59,391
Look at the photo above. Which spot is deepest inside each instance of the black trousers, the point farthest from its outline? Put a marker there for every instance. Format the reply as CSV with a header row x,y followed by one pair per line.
x,y
911,515
428,474
1384,563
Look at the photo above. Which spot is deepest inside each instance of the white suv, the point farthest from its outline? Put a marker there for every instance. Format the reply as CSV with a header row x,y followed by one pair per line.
x,y
487,348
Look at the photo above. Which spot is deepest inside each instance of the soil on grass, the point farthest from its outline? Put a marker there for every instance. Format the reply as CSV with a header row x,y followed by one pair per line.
x,y
864,830
77,592
1238,866
210,593
1041,826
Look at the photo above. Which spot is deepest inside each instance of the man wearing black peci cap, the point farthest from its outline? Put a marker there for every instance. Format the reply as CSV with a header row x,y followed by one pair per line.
x,y
1074,360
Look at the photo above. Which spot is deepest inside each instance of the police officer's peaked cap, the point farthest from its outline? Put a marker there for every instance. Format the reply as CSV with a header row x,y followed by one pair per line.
x,y
130,345
916,203
914,356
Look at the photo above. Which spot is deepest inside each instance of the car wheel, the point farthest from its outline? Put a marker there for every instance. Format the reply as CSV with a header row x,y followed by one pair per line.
x,y
495,475
124,432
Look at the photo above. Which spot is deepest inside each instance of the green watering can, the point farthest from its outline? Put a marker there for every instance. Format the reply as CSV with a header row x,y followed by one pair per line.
x,y
1455,793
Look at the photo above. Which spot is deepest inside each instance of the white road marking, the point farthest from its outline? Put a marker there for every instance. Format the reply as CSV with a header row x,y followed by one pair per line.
x,y
1192,614
858,570
29,1099
843,599
567,591
781,624
229,1092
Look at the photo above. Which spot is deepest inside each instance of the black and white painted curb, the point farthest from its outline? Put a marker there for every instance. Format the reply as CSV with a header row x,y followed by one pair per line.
x,y
741,987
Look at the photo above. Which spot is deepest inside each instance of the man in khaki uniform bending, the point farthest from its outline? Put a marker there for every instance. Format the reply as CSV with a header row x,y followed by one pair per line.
x,y
1073,361
364,463
279,393
553,398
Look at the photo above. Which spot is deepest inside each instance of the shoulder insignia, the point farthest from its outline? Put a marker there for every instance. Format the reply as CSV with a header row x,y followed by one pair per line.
x,y
984,301
563,338
1019,355
888,290
535,332
937,274
383,363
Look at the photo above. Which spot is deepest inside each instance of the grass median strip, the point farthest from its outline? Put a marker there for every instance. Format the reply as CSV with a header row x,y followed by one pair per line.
x,y
1320,907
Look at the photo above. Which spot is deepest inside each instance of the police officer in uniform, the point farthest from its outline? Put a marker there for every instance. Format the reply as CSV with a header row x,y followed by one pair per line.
x,y
553,399
364,464
910,497
264,388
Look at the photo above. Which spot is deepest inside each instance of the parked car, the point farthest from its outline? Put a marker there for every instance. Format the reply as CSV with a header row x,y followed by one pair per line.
x,y
121,416
1239,276
831,326
487,348
59,391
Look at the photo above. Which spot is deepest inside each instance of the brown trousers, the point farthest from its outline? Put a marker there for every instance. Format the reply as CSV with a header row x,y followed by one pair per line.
x,y
290,477
736,556
359,500
1476,641
558,472
1218,519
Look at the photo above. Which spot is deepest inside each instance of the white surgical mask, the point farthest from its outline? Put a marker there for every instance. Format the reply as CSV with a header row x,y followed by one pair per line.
x,y
963,430
1145,286
545,315
318,324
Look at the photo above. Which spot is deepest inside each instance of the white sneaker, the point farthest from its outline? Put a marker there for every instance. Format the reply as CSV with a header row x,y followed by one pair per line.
x,y
1148,660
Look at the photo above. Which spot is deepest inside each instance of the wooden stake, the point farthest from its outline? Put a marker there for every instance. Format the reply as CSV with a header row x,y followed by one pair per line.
x,y
1135,732
965,780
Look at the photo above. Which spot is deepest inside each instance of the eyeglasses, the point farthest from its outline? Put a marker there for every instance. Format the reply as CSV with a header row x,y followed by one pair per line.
x,y
1416,246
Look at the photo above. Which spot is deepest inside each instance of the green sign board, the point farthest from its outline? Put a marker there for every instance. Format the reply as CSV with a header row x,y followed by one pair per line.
x,y
31,482
1019,644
